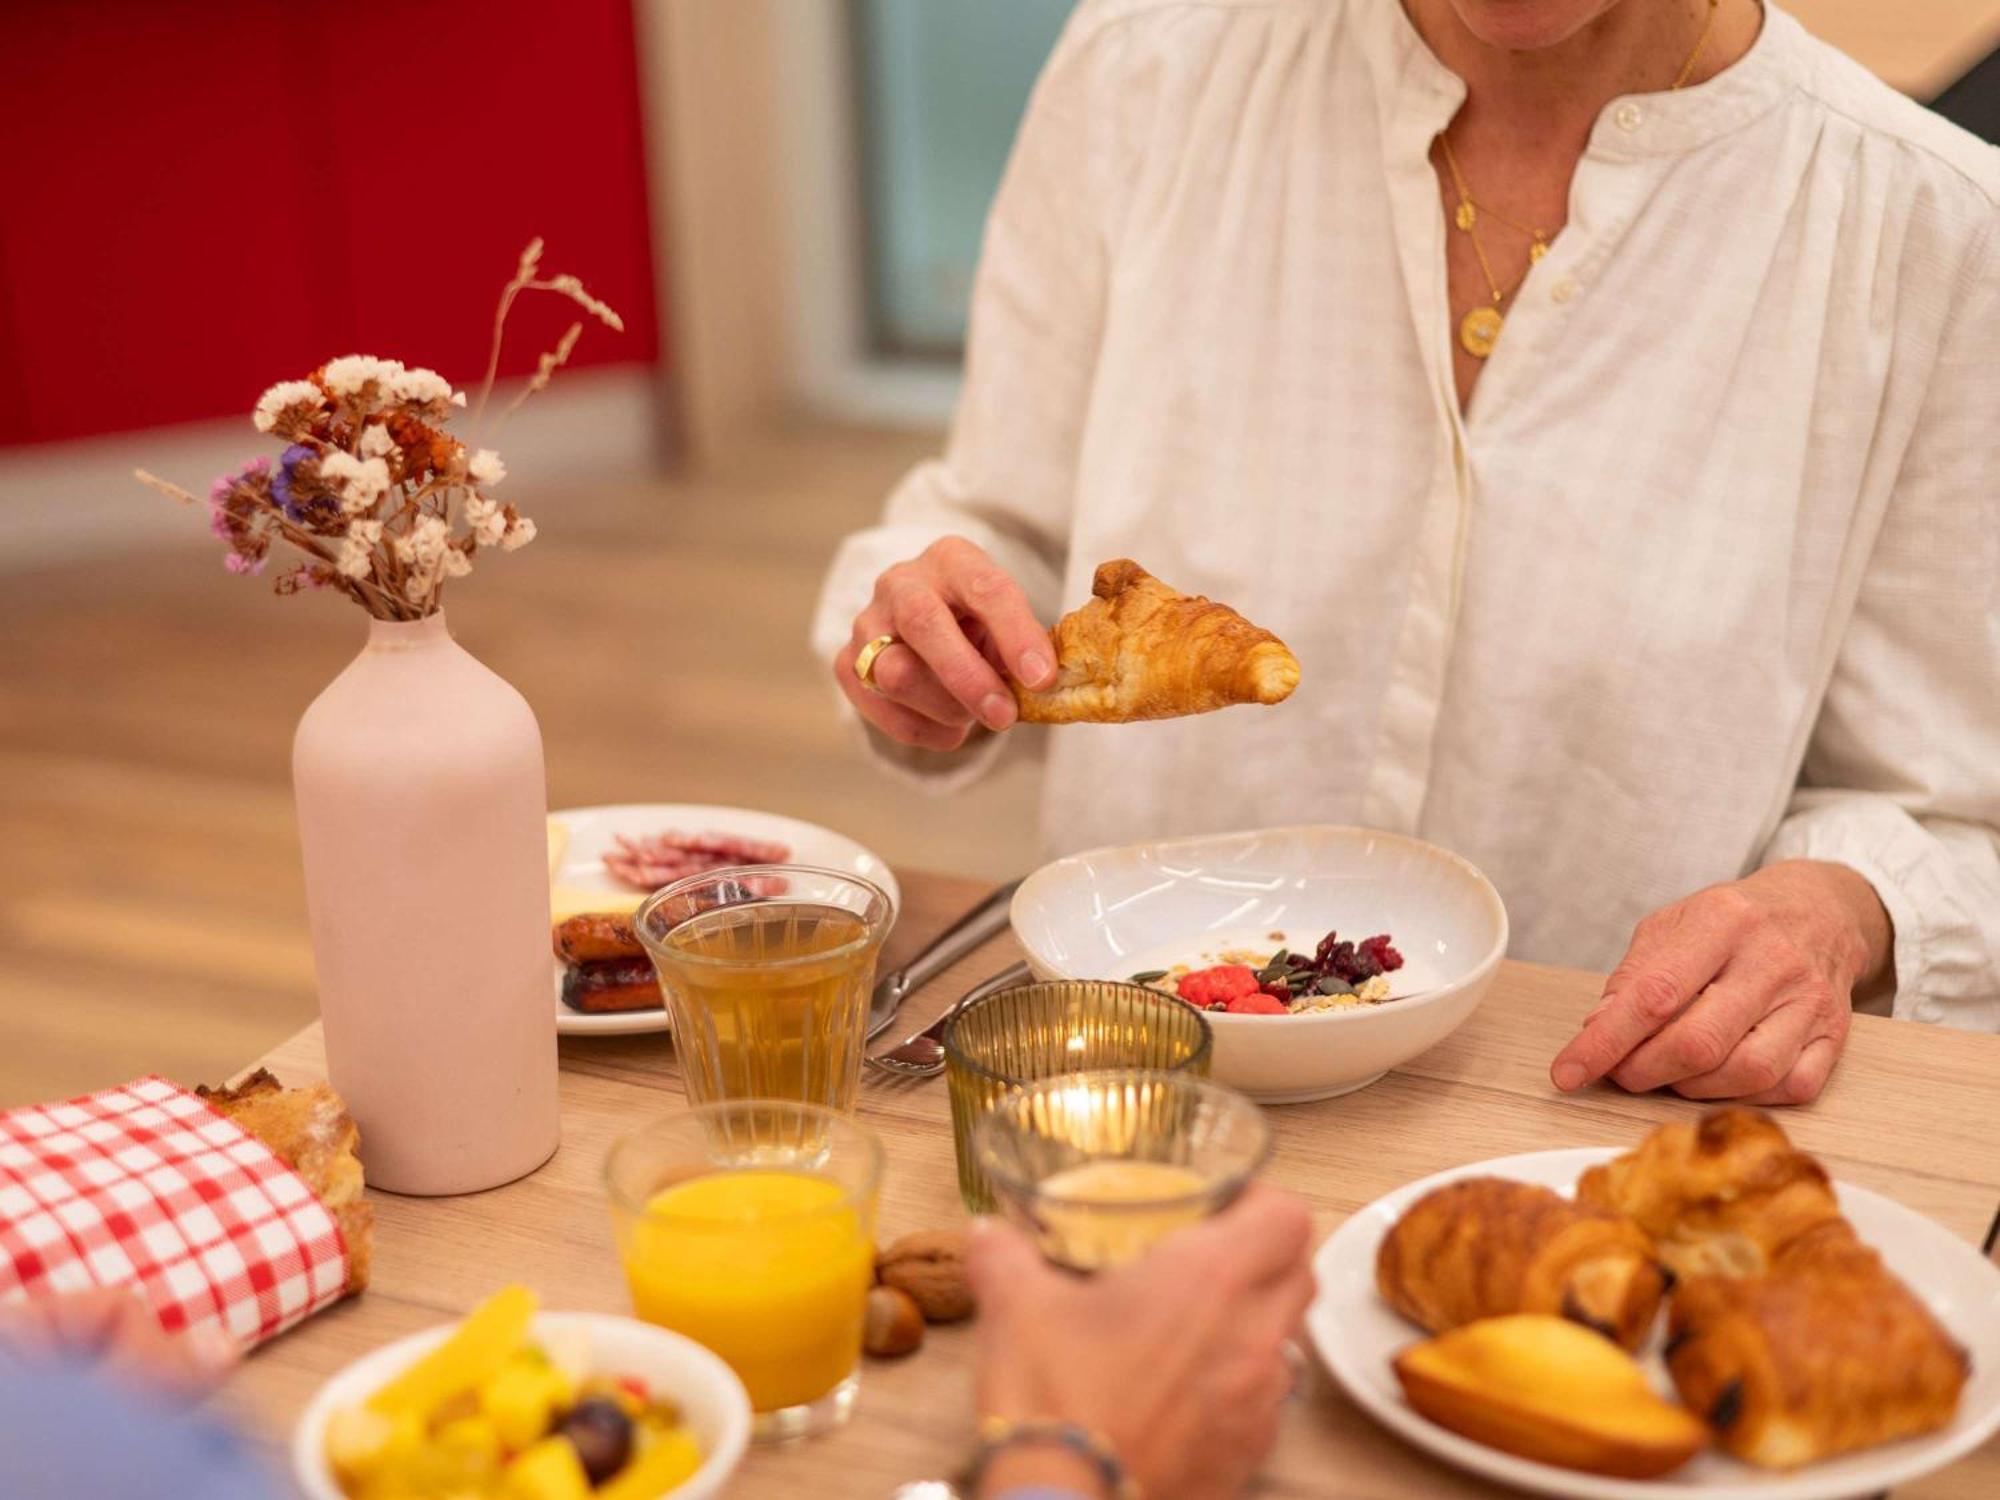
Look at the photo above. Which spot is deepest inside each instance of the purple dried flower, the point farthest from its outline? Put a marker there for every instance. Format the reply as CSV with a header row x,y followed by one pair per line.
x,y
237,562
281,482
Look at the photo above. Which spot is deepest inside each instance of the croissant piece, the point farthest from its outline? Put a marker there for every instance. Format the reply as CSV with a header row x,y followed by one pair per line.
x,y
1824,1353
1142,650
1484,1247
1723,1195
1548,1390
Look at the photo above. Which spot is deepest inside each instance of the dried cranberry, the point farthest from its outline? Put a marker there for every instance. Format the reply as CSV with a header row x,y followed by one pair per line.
x,y
1385,957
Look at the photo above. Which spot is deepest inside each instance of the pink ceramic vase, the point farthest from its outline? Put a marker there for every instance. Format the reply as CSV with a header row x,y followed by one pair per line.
x,y
423,815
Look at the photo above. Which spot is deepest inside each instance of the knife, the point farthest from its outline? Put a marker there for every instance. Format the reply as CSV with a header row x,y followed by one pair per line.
x,y
974,928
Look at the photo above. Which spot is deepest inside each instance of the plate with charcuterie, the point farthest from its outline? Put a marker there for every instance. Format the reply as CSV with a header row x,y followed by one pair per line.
x,y
604,861
1705,1315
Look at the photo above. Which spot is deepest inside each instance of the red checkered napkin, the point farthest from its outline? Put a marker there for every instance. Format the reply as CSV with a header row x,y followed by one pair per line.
x,y
145,1186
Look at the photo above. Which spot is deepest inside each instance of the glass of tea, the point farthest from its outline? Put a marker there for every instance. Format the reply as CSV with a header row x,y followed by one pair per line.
x,y
766,971
1098,1167
750,1227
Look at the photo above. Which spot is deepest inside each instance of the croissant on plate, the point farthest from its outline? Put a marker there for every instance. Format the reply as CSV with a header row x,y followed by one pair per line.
x,y
1484,1247
1724,1195
1825,1352
1142,650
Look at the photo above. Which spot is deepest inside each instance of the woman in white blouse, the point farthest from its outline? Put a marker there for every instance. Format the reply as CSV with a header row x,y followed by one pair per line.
x,y
1600,396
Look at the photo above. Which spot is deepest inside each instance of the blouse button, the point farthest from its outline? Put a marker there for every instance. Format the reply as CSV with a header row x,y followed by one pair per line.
x,y
1564,289
1628,117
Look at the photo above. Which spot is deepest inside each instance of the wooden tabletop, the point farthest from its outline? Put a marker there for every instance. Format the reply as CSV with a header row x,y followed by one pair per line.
x,y
1909,1112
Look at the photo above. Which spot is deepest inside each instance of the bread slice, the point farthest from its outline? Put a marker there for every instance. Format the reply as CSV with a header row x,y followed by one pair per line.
x,y
310,1131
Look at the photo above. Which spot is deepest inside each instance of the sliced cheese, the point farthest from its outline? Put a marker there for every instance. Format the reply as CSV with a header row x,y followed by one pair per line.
x,y
566,901
558,844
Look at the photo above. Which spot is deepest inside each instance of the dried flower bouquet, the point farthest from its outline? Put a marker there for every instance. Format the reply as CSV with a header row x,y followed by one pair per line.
x,y
384,504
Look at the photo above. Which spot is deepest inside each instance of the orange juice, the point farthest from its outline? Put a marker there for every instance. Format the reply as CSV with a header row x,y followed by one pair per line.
x,y
770,1269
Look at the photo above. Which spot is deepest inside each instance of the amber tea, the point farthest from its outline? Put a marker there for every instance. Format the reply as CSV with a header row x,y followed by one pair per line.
x,y
768,997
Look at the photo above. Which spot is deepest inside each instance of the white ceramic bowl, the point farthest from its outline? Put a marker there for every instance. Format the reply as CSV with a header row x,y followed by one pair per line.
x,y
712,1400
1110,913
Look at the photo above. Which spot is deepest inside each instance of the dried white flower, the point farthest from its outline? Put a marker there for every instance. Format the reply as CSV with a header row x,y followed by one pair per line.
x,y
486,468
421,387
484,519
456,563
368,532
356,557
294,398
428,538
360,481
518,535
352,374
376,442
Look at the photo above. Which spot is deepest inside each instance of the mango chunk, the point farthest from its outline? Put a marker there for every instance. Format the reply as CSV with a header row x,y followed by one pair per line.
x,y
469,1356
662,1465
548,1471
1545,1388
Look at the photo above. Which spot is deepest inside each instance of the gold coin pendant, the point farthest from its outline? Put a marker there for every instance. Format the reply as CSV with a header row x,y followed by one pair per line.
x,y
1479,331
1537,250
1466,216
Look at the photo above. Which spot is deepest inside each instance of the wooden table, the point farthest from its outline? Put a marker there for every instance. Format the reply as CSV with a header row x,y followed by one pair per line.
x,y
1910,1112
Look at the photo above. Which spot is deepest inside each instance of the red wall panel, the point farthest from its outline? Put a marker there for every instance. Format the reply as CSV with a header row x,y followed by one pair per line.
x,y
197,199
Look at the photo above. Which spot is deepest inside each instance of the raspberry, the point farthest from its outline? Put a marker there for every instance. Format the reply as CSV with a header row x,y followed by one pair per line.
x,y
1204,987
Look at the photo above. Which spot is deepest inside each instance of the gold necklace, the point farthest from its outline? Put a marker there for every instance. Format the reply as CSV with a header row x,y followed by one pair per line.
x,y
1479,330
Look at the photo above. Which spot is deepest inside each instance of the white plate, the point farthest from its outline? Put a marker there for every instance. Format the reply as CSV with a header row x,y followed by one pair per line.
x,y
1357,1335
591,831
712,1400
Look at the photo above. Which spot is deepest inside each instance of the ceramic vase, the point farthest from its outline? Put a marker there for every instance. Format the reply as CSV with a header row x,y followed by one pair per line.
x,y
422,817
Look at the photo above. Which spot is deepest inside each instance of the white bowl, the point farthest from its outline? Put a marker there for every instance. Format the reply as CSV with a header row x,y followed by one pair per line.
x,y
1110,913
712,1400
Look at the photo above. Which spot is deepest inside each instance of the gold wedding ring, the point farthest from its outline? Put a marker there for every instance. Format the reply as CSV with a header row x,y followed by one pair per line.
x,y
864,661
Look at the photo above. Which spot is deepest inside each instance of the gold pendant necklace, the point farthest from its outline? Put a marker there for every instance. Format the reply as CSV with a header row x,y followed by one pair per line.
x,y
1479,330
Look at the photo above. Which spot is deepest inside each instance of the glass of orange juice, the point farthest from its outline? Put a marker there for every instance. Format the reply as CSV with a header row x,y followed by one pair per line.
x,y
749,1226
766,971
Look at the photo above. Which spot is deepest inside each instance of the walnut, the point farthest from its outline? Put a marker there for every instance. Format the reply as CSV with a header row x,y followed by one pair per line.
x,y
930,1266
895,1323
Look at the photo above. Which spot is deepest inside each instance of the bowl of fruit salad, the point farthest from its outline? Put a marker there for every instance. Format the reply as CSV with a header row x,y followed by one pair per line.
x,y
1322,956
518,1404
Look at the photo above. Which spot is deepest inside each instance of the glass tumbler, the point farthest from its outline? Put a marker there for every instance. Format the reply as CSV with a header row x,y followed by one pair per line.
x,y
766,971
750,1227
1003,1041
1097,1167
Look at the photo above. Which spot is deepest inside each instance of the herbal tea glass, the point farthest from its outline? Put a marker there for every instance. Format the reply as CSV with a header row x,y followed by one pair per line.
x,y
750,1228
766,972
1019,1036
1097,1167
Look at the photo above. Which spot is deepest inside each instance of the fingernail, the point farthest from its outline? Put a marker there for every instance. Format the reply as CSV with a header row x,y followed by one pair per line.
x,y
996,711
1568,1075
1035,666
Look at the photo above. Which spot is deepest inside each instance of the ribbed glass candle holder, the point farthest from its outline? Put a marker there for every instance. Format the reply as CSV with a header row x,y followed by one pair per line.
x,y
1020,1036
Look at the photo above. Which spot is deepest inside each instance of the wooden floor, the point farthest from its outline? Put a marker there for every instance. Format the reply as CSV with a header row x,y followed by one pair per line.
x,y
151,913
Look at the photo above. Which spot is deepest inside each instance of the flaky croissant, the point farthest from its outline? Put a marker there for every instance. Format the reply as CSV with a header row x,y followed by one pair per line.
x,y
1142,650
1485,1247
1823,1353
1723,1195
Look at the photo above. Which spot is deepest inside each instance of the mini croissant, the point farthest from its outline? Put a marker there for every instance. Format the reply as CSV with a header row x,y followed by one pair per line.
x,y
1142,650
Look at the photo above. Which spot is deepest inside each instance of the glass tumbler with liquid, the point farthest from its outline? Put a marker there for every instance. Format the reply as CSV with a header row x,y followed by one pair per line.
x,y
767,972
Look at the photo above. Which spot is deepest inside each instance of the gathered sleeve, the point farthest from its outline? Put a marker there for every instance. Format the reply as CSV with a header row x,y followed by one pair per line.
x,y
1007,477
1901,779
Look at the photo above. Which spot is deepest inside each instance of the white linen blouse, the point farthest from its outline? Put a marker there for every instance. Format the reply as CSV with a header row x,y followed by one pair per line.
x,y
1707,575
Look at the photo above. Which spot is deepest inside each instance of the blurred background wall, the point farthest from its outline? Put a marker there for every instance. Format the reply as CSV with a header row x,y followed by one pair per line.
x,y
200,197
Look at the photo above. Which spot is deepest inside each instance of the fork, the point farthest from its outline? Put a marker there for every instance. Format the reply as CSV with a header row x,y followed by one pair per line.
x,y
922,1055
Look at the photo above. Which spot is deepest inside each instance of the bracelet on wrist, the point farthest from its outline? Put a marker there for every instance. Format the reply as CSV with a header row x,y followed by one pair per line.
x,y
999,1435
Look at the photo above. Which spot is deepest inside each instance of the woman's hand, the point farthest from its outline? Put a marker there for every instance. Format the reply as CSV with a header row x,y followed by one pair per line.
x,y
957,617
115,1329
1741,991
1178,1359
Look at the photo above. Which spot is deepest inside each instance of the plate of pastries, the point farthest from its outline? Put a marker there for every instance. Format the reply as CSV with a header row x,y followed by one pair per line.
x,y
604,861
1706,1313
